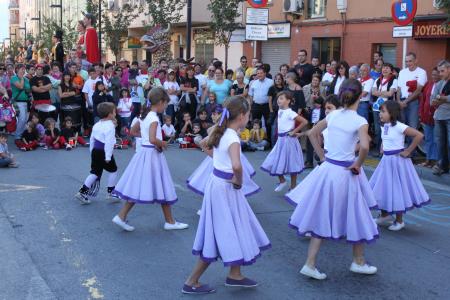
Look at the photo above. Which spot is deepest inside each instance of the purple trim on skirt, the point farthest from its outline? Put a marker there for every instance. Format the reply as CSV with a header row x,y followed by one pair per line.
x,y
406,209
222,174
302,234
273,174
130,199
253,174
203,194
340,163
239,262
148,146
99,145
194,189
290,201
393,152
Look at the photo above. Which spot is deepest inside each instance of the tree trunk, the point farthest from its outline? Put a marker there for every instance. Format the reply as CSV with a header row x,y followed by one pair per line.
x,y
227,46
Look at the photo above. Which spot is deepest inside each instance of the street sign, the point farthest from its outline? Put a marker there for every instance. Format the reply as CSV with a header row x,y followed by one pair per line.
x,y
257,3
282,30
402,32
404,11
257,16
256,32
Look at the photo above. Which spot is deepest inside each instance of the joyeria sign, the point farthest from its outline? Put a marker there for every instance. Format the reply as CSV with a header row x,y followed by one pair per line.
x,y
430,29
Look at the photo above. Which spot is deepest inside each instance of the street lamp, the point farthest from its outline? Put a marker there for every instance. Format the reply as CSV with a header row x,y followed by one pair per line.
x,y
188,29
60,6
39,20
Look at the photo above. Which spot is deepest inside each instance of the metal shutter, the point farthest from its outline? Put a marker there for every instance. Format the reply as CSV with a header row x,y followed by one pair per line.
x,y
276,52
389,53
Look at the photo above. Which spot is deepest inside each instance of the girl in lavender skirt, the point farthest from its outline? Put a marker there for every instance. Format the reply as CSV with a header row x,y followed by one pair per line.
x,y
334,201
286,157
395,182
227,227
147,178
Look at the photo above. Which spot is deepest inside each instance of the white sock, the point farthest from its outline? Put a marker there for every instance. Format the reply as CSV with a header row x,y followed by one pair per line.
x,y
90,180
112,179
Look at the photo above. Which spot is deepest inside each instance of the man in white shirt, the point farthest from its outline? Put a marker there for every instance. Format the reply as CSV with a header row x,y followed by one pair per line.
x,y
89,86
411,81
259,97
202,79
328,77
367,84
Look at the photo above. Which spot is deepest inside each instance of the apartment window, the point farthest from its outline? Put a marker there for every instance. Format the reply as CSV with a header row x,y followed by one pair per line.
x,y
326,49
204,45
316,8
389,52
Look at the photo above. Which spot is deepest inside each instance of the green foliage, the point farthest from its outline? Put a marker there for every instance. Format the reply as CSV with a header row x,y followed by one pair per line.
x,y
115,26
445,4
49,27
164,12
223,21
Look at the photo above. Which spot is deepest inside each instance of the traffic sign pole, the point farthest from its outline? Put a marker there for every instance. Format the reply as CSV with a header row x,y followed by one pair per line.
x,y
403,13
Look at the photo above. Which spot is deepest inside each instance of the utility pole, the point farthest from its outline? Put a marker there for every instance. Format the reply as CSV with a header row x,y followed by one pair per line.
x,y
189,29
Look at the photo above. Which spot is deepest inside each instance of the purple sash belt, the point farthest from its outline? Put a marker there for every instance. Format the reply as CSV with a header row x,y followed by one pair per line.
x,y
393,152
99,145
284,134
340,163
222,174
148,146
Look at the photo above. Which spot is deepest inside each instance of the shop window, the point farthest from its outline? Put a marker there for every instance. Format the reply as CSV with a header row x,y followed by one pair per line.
x,y
326,49
389,52
316,8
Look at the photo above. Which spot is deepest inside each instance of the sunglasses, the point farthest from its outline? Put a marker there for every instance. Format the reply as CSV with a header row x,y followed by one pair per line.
x,y
2,69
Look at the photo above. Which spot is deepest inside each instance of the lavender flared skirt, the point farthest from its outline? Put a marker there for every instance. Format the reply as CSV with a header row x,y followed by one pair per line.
x,y
396,185
197,181
228,228
147,179
332,203
286,157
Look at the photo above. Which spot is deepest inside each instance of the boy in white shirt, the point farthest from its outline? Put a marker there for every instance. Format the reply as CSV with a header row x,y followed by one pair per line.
x,y
168,129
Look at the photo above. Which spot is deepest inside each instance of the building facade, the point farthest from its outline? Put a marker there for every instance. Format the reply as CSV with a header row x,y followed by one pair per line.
x,y
352,30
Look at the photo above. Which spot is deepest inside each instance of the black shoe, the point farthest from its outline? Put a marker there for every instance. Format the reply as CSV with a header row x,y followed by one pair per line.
x,y
309,166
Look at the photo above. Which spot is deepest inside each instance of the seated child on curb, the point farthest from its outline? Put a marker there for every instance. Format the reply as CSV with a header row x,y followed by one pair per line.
x,y
71,137
6,158
34,118
29,138
53,137
257,137
168,130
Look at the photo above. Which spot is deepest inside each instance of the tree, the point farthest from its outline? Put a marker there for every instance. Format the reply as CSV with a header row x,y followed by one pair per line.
x,y
49,27
223,22
115,26
445,5
163,13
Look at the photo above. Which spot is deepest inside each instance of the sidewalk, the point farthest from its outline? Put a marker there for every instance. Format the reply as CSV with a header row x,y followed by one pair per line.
x,y
20,277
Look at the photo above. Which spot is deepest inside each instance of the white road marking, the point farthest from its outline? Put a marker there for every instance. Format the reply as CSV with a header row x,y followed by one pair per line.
x,y
18,187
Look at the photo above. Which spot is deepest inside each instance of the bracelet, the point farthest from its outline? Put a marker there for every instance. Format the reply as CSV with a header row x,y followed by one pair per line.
x,y
237,186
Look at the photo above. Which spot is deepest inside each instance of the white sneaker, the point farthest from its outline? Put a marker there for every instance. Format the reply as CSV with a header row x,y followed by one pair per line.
x,y
363,269
83,198
175,226
313,273
280,186
112,198
118,221
383,221
260,148
199,212
397,226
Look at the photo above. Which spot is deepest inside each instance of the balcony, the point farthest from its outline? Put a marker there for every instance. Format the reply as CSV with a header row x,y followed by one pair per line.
x,y
13,4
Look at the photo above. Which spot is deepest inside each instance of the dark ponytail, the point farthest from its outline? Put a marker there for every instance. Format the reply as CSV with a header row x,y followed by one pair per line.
x,y
349,92
394,110
233,107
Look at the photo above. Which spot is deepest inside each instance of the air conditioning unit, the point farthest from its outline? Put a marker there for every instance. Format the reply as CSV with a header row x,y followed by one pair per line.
x,y
438,4
342,6
292,6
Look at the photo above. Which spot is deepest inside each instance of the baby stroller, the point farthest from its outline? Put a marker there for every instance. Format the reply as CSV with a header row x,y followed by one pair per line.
x,y
8,116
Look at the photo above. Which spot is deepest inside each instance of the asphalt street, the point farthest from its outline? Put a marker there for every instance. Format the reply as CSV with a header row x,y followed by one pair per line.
x,y
53,248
